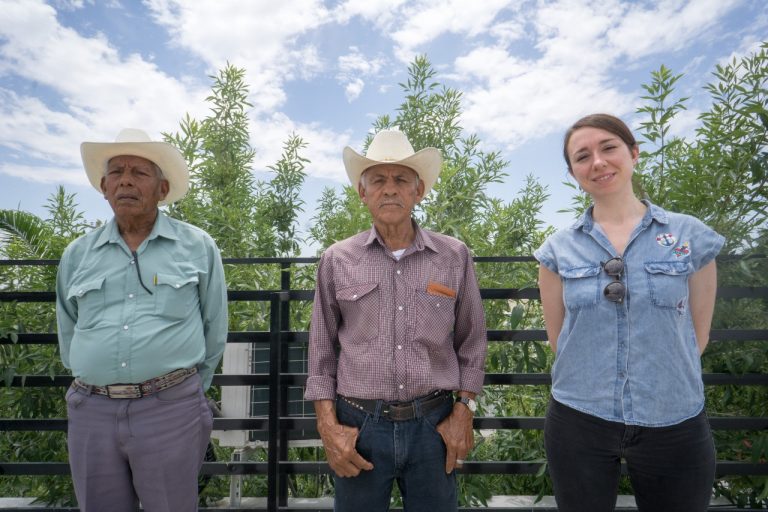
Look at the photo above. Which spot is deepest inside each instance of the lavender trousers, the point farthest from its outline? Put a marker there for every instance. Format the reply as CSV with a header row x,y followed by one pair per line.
x,y
148,450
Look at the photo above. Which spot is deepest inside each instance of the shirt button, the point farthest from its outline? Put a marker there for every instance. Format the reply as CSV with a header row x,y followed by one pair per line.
x,y
125,327
132,262
124,365
178,285
399,272
400,386
399,347
354,296
80,292
400,308
130,295
437,305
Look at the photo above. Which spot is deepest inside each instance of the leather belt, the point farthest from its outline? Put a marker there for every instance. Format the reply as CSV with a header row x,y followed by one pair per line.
x,y
141,389
401,411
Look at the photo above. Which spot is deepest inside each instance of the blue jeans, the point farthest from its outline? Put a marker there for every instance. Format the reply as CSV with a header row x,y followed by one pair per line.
x,y
672,468
409,452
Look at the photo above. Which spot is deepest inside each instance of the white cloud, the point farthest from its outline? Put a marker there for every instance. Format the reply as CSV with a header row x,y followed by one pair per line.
x,y
667,26
324,146
353,89
260,36
512,99
45,174
91,90
422,22
352,67
381,12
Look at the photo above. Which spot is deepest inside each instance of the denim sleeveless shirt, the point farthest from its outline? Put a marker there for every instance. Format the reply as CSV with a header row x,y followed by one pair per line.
x,y
636,362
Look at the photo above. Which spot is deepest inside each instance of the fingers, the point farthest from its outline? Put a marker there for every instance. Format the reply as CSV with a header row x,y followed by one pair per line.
x,y
457,435
340,451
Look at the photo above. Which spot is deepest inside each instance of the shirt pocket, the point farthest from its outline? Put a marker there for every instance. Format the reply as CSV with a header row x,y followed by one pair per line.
x,y
90,298
434,317
360,309
581,286
176,295
668,283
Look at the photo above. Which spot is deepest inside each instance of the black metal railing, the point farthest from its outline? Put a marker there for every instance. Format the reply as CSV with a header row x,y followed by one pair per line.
x,y
278,424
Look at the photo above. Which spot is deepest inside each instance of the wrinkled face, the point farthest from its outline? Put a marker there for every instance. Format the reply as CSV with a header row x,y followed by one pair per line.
x,y
133,186
390,192
600,161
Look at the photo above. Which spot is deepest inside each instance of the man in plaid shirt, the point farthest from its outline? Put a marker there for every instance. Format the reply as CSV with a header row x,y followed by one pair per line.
x,y
403,305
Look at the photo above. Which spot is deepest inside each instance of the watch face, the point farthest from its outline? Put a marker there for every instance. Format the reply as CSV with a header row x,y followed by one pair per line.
x,y
471,404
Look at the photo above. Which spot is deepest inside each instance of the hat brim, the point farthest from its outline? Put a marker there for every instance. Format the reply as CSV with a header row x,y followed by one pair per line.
x,y
426,163
96,156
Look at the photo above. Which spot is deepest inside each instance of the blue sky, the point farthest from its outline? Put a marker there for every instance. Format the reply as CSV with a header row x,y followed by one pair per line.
x,y
77,70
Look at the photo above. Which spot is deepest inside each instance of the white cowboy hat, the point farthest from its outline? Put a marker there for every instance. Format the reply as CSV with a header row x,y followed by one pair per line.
x,y
134,142
392,147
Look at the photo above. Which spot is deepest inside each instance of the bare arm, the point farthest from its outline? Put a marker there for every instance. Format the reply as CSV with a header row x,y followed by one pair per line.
x,y
551,289
702,287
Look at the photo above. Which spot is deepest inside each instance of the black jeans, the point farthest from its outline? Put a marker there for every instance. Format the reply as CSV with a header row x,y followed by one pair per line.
x,y
672,468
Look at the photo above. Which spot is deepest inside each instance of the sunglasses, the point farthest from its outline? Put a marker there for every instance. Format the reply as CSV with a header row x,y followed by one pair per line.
x,y
615,291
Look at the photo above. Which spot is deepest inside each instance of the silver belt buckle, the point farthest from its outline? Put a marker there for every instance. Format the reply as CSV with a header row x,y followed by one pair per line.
x,y
125,391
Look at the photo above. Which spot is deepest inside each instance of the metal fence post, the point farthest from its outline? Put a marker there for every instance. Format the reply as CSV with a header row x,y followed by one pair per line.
x,y
275,358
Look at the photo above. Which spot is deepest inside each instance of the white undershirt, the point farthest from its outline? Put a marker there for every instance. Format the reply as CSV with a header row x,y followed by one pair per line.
x,y
398,254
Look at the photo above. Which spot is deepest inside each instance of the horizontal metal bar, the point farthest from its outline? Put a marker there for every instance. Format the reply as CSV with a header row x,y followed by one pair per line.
x,y
515,335
312,468
299,379
308,423
314,259
724,292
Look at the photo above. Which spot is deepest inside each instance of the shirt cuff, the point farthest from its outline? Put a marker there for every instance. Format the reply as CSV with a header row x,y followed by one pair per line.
x,y
472,380
320,388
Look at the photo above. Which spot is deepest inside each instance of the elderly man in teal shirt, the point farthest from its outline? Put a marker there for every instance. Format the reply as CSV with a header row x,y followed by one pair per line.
x,y
142,317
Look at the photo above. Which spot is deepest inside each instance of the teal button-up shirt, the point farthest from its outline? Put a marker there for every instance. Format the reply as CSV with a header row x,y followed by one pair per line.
x,y
112,330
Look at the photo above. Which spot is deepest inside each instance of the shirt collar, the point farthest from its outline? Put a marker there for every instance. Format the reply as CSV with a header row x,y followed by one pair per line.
x,y
421,240
162,227
653,212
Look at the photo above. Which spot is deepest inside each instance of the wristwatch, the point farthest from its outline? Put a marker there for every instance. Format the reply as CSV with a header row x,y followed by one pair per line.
x,y
471,404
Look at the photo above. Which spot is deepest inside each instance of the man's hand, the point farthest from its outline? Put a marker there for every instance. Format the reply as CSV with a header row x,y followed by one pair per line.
x,y
339,442
456,431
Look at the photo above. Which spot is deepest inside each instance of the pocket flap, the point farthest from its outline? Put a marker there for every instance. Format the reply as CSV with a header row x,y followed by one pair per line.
x,y
580,272
80,289
356,292
670,268
175,280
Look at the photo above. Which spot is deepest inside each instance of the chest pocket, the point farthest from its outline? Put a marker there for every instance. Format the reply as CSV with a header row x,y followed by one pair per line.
x,y
90,299
581,286
435,317
668,283
360,308
176,296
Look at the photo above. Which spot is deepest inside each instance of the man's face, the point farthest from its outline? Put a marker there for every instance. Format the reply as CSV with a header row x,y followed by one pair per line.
x,y
390,192
133,186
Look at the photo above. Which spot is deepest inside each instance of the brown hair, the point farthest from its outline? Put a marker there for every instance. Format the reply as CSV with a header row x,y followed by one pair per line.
x,y
605,122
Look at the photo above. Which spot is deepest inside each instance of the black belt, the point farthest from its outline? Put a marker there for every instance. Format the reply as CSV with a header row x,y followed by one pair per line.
x,y
401,411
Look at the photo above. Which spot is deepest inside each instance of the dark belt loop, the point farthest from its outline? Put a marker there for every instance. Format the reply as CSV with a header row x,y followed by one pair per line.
x,y
417,409
377,411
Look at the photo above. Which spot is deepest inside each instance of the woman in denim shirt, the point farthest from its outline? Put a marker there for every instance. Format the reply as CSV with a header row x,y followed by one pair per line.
x,y
628,293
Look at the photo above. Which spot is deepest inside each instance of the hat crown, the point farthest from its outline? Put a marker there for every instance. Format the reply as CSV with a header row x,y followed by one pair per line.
x,y
389,146
132,135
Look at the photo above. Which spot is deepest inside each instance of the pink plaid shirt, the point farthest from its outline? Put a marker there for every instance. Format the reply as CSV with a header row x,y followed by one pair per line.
x,y
405,327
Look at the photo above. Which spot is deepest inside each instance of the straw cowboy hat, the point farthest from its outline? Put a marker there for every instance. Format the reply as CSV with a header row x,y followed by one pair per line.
x,y
134,142
392,147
